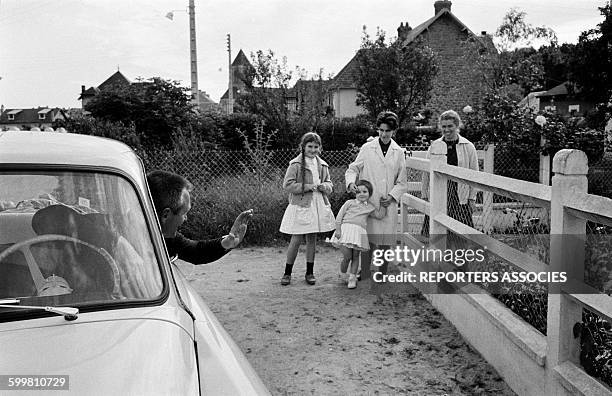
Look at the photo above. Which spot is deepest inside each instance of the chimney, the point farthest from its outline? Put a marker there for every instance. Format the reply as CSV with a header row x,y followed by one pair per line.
x,y
82,89
403,30
440,5
483,33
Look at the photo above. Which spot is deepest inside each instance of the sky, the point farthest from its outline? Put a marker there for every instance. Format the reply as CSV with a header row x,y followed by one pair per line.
x,y
50,48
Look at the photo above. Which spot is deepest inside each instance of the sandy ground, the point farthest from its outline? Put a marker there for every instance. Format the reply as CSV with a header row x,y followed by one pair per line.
x,y
329,340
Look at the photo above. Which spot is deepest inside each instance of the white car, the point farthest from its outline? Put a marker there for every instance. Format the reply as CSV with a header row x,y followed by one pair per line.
x,y
89,299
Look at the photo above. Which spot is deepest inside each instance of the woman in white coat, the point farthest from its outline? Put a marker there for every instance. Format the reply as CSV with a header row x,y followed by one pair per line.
x,y
382,162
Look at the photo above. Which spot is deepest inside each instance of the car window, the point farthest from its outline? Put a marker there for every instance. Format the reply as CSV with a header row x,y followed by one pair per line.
x,y
74,238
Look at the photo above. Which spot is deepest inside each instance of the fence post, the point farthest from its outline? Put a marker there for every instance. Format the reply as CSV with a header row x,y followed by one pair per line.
x,y
437,194
567,235
487,196
544,168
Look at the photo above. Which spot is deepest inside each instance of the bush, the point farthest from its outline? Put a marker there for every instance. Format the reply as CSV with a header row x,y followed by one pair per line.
x,y
502,121
86,125
217,203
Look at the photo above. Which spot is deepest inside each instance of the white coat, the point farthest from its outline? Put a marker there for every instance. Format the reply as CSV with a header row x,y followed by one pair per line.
x,y
388,176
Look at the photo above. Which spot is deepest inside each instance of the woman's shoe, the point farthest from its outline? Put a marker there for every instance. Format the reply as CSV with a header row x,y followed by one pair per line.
x,y
352,282
310,279
285,280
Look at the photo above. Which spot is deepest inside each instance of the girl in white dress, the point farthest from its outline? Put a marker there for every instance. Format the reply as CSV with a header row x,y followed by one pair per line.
x,y
308,183
351,236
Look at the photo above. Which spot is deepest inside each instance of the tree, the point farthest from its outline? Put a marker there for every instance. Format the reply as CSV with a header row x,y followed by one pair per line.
x,y
592,60
156,107
266,96
515,32
313,109
394,76
555,60
515,68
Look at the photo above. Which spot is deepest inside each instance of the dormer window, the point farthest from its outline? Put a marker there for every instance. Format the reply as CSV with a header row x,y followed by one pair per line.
x,y
11,114
42,114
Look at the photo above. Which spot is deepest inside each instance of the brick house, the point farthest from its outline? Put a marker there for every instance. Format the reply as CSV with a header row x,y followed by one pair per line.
x,y
26,119
454,87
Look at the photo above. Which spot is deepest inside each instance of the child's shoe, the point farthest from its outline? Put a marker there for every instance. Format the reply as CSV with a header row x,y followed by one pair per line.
x,y
352,281
310,279
285,280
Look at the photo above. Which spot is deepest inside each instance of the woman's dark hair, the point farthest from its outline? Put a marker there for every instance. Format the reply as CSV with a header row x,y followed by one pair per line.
x,y
307,138
389,118
366,184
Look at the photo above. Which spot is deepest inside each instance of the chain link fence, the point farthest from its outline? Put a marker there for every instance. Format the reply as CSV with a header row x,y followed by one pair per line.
x,y
228,182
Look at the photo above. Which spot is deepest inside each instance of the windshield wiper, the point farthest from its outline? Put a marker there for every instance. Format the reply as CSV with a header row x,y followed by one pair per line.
x,y
69,313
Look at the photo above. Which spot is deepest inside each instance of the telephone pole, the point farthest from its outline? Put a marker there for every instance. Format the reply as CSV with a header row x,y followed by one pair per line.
x,y
195,94
230,90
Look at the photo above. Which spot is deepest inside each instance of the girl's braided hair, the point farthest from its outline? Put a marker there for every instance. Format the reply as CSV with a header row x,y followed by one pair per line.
x,y
307,138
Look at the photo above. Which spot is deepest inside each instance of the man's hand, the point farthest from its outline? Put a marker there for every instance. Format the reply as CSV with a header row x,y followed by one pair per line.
x,y
338,233
321,188
238,230
352,188
386,201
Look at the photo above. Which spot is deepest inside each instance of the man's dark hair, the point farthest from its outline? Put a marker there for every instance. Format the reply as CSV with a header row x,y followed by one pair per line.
x,y
166,189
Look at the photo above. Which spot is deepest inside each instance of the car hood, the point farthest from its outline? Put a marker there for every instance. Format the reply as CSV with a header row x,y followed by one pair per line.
x,y
157,354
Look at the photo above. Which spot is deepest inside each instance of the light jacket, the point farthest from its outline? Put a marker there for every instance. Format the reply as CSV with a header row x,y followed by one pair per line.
x,y
466,158
388,176
293,181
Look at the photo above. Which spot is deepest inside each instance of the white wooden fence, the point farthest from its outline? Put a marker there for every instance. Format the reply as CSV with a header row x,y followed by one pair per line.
x,y
531,363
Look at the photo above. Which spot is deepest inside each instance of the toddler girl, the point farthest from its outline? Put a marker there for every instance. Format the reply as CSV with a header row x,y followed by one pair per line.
x,y
351,235
309,212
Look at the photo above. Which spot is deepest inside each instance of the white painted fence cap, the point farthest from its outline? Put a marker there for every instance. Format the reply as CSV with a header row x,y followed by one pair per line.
x,y
570,162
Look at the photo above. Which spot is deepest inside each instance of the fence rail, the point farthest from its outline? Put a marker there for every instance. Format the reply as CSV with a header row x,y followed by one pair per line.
x,y
567,304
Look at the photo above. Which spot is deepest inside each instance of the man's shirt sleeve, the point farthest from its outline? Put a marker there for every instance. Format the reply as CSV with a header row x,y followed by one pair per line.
x,y
195,252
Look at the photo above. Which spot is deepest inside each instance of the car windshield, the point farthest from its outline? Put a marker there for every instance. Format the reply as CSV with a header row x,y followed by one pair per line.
x,y
71,238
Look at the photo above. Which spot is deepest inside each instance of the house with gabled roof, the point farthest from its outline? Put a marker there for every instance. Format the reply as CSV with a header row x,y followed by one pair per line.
x,y
309,94
566,100
117,79
454,87
241,67
26,119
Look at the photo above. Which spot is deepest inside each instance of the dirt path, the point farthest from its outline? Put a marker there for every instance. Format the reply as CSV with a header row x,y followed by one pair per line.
x,y
327,339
